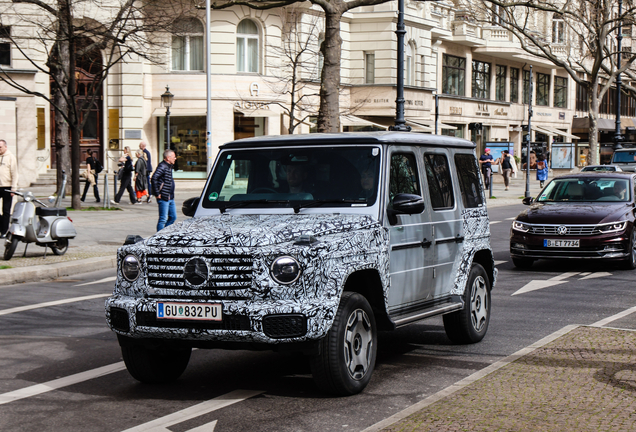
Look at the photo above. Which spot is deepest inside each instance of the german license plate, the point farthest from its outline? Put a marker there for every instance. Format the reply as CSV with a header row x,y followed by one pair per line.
x,y
189,311
561,243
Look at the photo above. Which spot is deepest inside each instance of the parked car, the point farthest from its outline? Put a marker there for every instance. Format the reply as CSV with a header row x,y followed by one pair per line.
x,y
578,216
311,243
601,168
625,158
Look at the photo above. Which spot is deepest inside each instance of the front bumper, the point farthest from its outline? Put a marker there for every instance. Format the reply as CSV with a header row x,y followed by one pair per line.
x,y
608,247
263,322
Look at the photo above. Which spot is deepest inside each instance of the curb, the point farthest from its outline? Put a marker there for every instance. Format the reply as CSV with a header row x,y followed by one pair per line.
x,y
53,271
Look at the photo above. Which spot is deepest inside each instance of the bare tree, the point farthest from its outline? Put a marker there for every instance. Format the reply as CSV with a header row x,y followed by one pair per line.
x,y
54,36
329,111
584,45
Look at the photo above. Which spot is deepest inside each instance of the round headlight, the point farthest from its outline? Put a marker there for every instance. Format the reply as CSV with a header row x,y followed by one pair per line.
x,y
130,268
285,270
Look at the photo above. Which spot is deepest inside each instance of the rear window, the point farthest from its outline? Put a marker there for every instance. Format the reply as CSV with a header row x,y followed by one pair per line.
x,y
624,156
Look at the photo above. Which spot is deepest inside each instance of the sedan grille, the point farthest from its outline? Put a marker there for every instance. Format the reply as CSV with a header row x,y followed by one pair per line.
x,y
224,272
571,230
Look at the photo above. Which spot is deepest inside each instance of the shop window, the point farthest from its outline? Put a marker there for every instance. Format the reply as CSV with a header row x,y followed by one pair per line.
x,y
543,89
369,68
440,185
500,83
5,46
514,85
188,140
457,133
560,92
558,29
247,47
481,79
187,45
453,75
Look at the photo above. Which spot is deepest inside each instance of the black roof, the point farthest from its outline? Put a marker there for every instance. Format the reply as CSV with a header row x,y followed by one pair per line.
x,y
399,138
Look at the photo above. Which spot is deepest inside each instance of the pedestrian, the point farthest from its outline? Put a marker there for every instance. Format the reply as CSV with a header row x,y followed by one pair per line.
x,y
93,167
542,169
143,147
163,190
8,182
506,167
125,178
486,161
140,180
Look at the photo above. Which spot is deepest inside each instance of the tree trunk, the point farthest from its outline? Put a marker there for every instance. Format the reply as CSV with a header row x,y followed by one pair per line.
x,y
75,119
593,106
60,100
329,113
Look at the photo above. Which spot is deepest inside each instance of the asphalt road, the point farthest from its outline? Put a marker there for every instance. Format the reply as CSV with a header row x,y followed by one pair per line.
x,y
61,369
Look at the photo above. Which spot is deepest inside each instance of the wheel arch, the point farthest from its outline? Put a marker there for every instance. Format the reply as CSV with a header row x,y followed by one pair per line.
x,y
368,283
485,258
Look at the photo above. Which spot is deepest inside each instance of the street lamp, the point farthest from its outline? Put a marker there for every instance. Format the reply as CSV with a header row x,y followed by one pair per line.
x,y
400,123
618,137
166,100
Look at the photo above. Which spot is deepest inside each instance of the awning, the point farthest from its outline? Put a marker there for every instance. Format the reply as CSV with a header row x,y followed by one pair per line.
x,y
551,131
430,123
602,124
179,112
418,127
256,112
351,120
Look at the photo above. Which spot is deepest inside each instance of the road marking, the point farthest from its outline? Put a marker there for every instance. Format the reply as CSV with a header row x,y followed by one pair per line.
x,y
51,303
540,284
459,385
108,279
60,382
499,262
512,218
208,427
619,315
162,424
594,275
494,222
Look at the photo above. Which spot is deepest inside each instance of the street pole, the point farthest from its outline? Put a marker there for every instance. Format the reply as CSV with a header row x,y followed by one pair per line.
x,y
400,123
208,85
618,137
527,194
436,111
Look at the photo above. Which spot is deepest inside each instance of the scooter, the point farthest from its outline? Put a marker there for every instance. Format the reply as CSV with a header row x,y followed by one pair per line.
x,y
43,225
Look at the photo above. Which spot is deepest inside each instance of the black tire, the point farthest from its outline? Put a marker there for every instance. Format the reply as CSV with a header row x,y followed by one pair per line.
x,y
348,351
523,263
630,262
10,245
60,247
470,324
155,366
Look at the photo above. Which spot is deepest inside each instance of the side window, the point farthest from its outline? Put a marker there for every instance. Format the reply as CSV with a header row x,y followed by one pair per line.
x,y
403,175
440,185
468,174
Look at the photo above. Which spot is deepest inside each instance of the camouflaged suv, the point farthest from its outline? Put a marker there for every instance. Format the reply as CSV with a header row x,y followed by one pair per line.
x,y
312,243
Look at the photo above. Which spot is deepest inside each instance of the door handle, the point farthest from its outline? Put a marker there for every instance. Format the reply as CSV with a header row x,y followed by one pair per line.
x,y
426,243
459,239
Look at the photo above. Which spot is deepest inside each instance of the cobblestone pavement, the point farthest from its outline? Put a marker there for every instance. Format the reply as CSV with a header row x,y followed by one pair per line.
x,y
584,380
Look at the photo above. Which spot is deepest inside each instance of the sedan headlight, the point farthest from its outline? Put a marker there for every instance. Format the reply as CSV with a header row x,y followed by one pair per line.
x,y
520,226
130,268
612,227
285,270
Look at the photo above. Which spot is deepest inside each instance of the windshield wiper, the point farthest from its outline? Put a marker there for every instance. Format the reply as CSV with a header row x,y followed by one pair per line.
x,y
318,203
239,204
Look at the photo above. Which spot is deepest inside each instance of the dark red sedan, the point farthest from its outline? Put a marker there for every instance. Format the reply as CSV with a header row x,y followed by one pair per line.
x,y
578,216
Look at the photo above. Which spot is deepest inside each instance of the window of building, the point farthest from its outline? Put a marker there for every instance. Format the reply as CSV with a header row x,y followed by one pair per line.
x,y
558,29
560,92
495,14
500,83
369,68
187,45
543,89
514,85
581,98
468,175
440,185
5,46
453,75
423,70
481,79
526,87
247,46
321,58
409,73
457,133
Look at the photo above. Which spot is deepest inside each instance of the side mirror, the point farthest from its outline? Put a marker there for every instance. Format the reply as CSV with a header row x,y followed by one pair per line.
x,y
528,200
408,204
189,207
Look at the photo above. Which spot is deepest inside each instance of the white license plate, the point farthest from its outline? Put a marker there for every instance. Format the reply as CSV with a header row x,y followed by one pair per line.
x,y
561,243
189,311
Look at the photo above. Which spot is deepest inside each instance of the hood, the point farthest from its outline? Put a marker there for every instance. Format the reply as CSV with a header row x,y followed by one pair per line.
x,y
574,213
255,230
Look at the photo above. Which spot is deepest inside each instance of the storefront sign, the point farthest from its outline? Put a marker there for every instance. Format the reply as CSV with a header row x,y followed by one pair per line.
x,y
254,89
482,109
501,112
561,116
251,105
370,101
455,110
542,114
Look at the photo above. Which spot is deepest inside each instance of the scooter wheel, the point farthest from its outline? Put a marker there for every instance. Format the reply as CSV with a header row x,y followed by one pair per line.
x,y
60,247
10,246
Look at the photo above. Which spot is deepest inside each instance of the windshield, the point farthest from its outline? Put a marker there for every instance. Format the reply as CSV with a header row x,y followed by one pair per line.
x,y
624,156
296,177
586,189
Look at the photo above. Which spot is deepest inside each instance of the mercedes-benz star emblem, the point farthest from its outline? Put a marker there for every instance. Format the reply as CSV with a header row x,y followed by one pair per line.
x,y
196,271
562,230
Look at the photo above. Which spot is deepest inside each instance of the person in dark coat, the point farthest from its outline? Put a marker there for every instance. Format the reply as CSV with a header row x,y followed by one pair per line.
x,y
93,163
141,178
125,177
163,189
148,157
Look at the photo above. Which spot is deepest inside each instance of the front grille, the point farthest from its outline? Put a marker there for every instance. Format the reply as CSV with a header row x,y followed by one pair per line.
x,y
119,319
226,272
572,230
229,322
284,326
